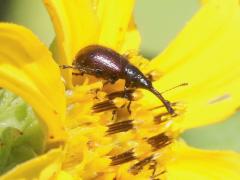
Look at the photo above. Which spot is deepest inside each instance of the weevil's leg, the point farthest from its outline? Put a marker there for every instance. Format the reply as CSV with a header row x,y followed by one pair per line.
x,y
127,84
128,107
110,80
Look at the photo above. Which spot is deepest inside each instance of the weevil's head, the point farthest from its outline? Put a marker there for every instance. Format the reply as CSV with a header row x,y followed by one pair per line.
x,y
136,78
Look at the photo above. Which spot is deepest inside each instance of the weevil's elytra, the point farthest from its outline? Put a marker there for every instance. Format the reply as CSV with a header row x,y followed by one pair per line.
x,y
106,63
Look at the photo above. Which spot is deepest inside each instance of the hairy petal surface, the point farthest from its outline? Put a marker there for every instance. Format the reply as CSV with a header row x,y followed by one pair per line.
x,y
190,163
75,25
27,69
205,55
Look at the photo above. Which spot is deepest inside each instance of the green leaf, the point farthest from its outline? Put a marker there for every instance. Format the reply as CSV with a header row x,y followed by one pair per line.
x,y
22,137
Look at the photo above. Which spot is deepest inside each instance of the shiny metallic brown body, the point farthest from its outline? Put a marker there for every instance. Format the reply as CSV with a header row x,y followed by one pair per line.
x,y
101,62
106,63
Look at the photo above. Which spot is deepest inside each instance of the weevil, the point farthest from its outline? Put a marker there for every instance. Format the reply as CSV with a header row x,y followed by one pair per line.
x,y
108,64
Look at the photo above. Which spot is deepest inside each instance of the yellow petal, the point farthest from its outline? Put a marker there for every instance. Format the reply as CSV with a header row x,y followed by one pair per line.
x,y
202,31
205,55
62,175
132,39
115,16
204,1
209,107
75,25
42,167
27,69
190,163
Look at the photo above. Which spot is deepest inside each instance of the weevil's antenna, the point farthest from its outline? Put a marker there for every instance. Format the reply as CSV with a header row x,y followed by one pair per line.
x,y
180,85
67,66
164,101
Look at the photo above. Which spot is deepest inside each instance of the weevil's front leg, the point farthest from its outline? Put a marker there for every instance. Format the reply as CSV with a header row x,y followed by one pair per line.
x,y
127,84
110,80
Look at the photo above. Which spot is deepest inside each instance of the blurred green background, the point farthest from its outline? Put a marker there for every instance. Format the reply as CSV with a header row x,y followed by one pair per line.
x,y
158,21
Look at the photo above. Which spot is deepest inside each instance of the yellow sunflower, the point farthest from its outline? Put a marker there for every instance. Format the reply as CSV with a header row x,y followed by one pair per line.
x,y
85,141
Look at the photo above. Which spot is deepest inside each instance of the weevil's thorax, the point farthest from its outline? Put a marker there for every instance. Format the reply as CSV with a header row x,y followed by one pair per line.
x,y
136,78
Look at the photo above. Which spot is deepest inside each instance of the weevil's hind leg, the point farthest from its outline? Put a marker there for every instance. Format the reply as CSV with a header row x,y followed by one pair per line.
x,y
127,84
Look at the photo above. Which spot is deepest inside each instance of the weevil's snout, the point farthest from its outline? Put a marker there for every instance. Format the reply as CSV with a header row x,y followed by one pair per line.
x,y
136,77
165,102
145,83
169,108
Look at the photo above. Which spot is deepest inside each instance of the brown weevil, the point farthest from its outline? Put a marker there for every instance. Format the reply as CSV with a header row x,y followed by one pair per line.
x,y
106,63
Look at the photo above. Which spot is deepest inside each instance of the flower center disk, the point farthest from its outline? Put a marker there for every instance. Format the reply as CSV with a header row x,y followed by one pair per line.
x,y
103,131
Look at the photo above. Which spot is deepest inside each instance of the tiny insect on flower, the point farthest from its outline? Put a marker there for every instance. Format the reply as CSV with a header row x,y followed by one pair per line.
x,y
104,62
85,140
